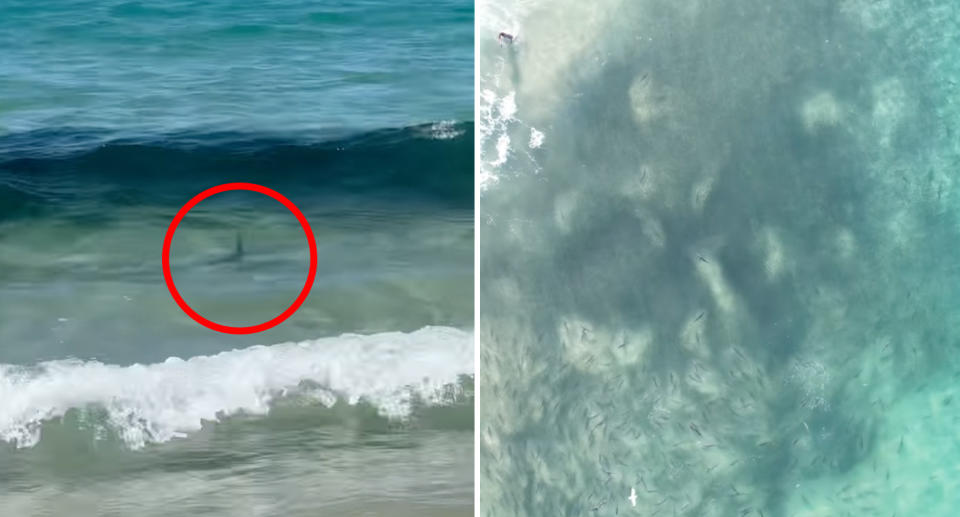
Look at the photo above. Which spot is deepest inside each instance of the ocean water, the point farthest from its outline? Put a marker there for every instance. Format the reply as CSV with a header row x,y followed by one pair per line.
x,y
718,252
112,116
285,66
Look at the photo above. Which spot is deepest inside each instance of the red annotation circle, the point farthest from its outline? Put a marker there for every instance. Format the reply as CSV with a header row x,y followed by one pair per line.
x,y
311,242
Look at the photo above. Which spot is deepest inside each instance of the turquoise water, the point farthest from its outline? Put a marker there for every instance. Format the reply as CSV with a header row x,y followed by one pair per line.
x,y
281,66
112,116
718,258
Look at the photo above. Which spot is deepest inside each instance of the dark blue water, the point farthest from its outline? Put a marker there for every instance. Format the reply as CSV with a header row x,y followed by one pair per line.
x,y
58,173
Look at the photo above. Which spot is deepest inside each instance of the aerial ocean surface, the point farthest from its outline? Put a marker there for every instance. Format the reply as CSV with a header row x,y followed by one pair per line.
x,y
719,258
113,115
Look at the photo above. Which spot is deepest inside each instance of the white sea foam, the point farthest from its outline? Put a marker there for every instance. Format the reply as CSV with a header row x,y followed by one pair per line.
x,y
536,138
496,118
496,104
444,130
158,402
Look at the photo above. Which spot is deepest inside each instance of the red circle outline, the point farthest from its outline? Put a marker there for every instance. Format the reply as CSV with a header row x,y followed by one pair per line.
x,y
311,274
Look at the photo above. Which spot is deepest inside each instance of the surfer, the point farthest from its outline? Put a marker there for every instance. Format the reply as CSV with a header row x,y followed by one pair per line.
x,y
504,37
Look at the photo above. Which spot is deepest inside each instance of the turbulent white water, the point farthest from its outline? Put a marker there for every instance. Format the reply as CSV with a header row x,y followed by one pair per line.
x,y
159,402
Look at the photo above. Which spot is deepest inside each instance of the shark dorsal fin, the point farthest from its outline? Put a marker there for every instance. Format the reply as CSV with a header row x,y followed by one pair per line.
x,y
239,251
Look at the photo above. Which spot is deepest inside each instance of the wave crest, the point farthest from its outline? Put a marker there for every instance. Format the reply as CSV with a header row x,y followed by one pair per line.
x,y
44,169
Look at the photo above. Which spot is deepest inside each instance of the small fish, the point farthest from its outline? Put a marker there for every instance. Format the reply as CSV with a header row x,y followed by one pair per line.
x,y
693,427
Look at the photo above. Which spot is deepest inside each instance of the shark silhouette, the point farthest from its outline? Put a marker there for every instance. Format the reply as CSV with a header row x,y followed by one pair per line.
x,y
236,256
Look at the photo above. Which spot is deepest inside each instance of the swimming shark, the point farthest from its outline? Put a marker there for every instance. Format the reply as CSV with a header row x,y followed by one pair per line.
x,y
239,258
236,256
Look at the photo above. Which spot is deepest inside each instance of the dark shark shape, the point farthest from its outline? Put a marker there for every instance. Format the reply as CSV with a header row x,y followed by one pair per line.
x,y
236,256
